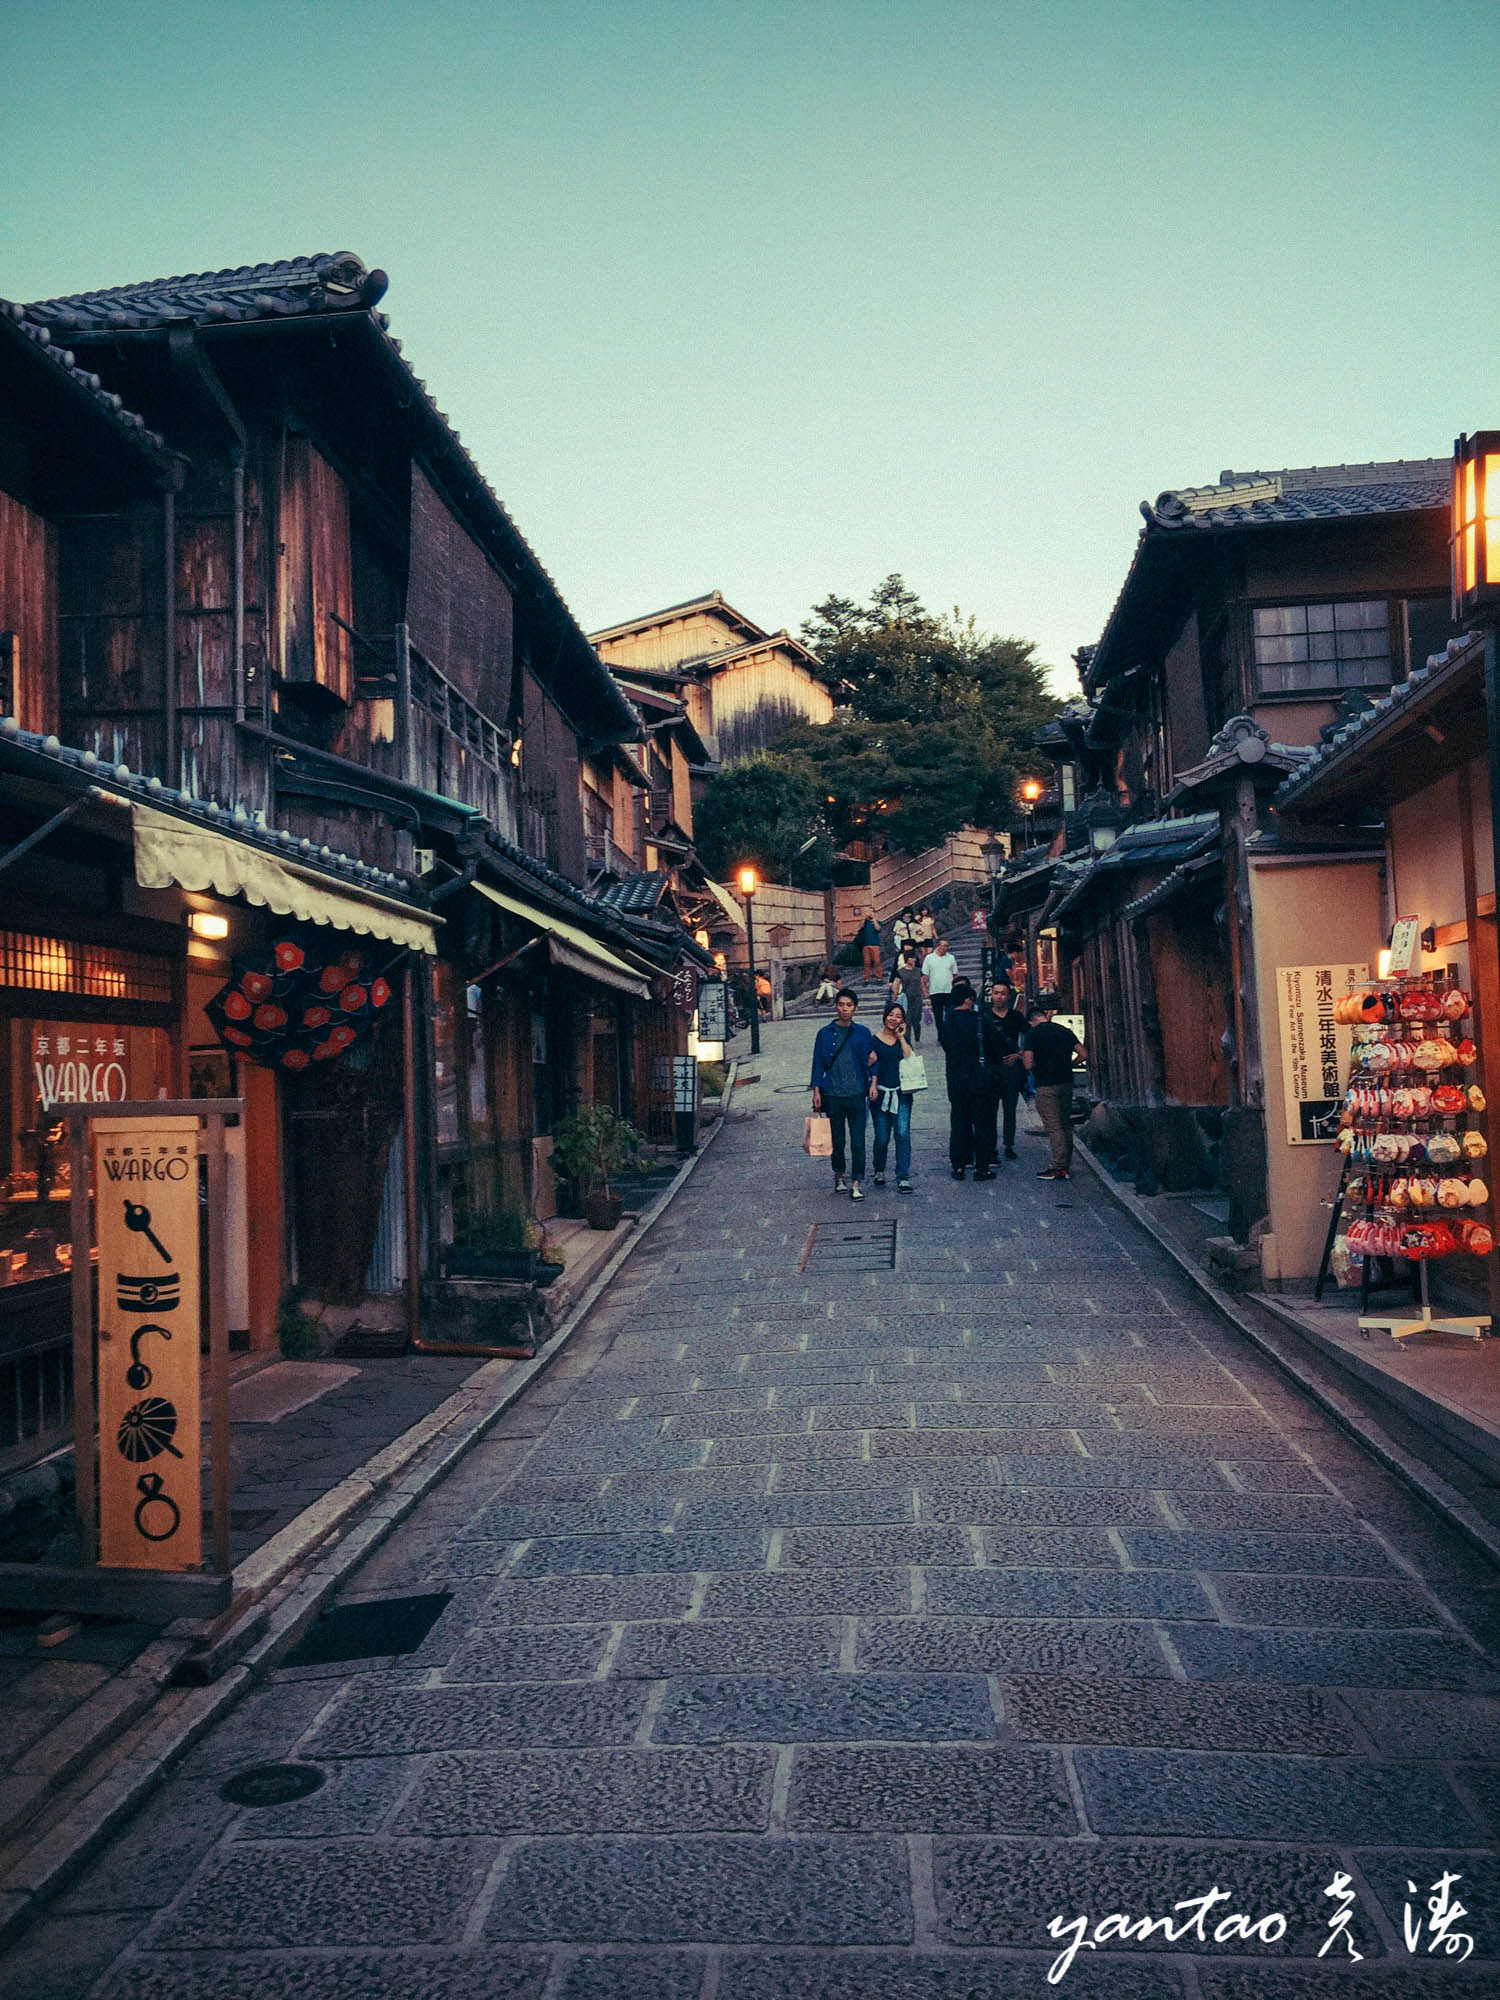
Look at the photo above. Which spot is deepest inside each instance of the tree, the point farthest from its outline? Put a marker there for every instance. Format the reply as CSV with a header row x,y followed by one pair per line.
x,y
936,722
764,810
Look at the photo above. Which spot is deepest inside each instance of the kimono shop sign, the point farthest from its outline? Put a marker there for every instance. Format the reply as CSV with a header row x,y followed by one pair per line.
x,y
1314,1048
146,1206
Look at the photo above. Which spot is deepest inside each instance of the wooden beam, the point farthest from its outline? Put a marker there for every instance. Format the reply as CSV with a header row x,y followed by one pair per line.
x,y
154,1596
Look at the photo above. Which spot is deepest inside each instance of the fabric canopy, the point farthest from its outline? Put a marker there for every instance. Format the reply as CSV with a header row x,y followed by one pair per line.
x,y
572,947
733,910
169,851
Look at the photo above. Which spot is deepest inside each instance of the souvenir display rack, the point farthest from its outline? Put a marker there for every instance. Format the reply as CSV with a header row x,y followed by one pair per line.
x,y
1412,1133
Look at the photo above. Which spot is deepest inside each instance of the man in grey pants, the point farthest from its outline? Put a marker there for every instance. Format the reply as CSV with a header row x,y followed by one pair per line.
x,y
1048,1054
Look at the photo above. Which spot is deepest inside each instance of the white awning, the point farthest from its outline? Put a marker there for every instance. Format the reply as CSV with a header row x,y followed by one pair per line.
x,y
733,910
170,851
568,945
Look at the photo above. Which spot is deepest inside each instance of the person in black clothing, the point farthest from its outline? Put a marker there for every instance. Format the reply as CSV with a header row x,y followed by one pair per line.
x,y
1003,1025
971,1136
1049,1056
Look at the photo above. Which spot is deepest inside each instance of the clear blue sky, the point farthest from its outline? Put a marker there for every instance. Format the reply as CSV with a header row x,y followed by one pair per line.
x,y
777,298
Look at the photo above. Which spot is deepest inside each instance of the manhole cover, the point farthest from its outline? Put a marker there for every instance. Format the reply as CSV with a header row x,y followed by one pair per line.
x,y
272,1784
850,1246
370,1631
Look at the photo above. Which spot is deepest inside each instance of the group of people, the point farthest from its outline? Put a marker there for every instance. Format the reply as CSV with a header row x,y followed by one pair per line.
x,y
990,1052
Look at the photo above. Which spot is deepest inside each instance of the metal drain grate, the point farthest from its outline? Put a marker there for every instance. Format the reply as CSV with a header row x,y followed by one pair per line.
x,y
385,1625
850,1246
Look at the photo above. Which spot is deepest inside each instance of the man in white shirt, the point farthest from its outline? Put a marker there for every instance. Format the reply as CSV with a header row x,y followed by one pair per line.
x,y
938,970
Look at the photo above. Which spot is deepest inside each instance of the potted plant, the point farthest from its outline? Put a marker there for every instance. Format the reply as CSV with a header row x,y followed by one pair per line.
x,y
502,1244
590,1146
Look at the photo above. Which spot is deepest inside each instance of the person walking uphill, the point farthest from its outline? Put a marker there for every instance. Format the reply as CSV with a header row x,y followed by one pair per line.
x,y
906,989
841,1063
891,1104
867,937
1003,1026
971,1118
1049,1056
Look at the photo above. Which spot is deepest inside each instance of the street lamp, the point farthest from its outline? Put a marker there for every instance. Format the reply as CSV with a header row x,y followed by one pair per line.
x,y
1475,538
1031,792
748,882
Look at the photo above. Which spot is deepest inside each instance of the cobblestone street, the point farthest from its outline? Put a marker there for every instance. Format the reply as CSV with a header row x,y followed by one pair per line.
x,y
823,1628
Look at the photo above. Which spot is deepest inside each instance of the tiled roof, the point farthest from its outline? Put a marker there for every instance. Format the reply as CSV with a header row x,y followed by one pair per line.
x,y
1240,502
712,600
1308,493
300,287
84,767
319,284
636,893
34,339
1152,843
1456,658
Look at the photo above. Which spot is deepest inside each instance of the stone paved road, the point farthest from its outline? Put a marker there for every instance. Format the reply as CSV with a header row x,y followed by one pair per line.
x,y
820,1632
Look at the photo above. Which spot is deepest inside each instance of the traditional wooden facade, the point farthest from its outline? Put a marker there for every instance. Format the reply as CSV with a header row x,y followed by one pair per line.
x,y
282,609
740,684
1258,615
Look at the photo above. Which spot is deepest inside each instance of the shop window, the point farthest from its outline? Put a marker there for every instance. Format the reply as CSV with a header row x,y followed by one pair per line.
x,y
1320,648
96,972
1429,627
48,1065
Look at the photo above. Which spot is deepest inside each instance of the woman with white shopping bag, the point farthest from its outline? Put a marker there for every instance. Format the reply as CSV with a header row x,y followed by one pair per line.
x,y
897,1071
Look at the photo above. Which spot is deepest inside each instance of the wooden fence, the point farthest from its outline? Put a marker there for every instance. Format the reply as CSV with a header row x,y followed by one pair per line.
x,y
899,879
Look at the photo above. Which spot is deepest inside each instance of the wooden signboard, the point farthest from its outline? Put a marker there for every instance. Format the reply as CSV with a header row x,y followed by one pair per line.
x,y
150,1298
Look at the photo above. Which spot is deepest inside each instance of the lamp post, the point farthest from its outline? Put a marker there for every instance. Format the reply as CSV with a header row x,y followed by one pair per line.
x,y
748,881
1031,792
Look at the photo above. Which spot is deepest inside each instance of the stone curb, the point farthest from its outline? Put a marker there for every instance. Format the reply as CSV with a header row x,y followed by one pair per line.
x,y
1429,1486
145,1744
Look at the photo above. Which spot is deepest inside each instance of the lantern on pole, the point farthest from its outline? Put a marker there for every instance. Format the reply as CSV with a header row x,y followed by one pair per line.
x,y
748,882
1475,538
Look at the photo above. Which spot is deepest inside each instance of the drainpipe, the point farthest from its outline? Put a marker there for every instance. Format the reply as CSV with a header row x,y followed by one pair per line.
x,y
409,1151
191,363
171,750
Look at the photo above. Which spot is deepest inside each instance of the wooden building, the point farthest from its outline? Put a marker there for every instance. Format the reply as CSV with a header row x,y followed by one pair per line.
x,y
281,610
1257,616
740,684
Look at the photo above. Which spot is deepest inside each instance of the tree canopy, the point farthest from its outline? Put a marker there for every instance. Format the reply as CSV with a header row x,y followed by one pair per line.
x,y
934,727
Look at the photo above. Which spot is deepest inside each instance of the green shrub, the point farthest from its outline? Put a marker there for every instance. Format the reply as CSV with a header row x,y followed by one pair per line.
x,y
298,1334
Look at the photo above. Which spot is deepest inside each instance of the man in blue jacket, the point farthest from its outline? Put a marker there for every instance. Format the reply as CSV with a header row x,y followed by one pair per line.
x,y
841,1087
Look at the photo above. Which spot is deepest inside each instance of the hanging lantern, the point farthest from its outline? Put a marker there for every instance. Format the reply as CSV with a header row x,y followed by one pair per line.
x,y
1475,539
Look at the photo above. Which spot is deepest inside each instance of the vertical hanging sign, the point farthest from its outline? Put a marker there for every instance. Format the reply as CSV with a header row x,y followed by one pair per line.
x,y
1314,1048
146,1209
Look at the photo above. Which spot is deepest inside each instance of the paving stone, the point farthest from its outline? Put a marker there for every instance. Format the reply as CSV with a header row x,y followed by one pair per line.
x,y
872,1548
703,1481
807,1593
1279,1554
1332,1659
581,1600
344,1892
632,1975
1040,1505
899,1790
728,1646
157,1851
1098,1708
997,1645
825,1708
1272,1475
914,1976
1322,1512
1259,1797
591,1791
529,1653
972,1444
825,1506
261,1729
1404,1980
1388,1874
1263,1447
479,1975
894,1414
1146,1473
994,1416
373,1722
1006,1892
795,1448
356,1799
62,1958
1067,1593
738,1424
1440,1726
779,1892
619,1555
508,1521
1324,1601
859,1475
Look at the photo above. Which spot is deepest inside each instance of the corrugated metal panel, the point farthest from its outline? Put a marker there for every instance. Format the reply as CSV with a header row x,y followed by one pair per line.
x,y
387,1271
